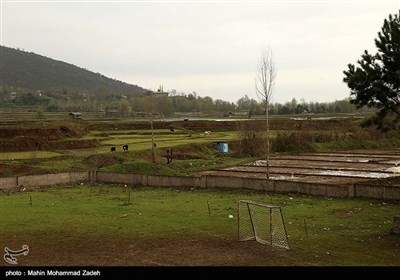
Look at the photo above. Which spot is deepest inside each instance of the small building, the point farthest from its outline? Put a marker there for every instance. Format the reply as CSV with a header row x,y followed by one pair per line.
x,y
222,147
76,115
112,113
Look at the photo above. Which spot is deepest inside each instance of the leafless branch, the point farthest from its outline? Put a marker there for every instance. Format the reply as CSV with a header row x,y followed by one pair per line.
x,y
264,83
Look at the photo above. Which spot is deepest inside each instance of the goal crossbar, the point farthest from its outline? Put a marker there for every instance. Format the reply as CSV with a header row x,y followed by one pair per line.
x,y
258,203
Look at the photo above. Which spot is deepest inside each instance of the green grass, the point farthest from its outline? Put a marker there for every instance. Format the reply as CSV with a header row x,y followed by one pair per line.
x,y
142,167
142,141
178,167
360,144
352,232
27,155
60,165
139,141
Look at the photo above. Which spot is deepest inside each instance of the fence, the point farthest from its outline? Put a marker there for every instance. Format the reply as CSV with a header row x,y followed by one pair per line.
x,y
204,181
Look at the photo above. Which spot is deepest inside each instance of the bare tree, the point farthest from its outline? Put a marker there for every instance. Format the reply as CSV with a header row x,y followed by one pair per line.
x,y
153,145
265,81
149,107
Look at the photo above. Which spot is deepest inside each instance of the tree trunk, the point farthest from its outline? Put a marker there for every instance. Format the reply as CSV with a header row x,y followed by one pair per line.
x,y
152,143
268,149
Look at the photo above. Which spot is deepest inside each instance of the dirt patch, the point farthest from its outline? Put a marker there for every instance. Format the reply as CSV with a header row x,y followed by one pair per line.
x,y
392,181
24,143
335,168
194,151
19,169
103,160
346,212
37,143
15,139
149,252
50,133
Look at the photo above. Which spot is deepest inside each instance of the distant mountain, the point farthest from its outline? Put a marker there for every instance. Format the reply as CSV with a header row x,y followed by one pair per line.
x,y
34,72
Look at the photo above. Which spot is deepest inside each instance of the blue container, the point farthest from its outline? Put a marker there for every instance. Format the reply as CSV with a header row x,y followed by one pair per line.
x,y
222,147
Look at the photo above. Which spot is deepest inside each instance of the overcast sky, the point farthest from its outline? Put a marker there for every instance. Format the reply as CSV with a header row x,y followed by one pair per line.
x,y
210,47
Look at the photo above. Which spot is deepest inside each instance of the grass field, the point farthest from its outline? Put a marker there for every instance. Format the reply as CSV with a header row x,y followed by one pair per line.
x,y
28,155
118,225
50,146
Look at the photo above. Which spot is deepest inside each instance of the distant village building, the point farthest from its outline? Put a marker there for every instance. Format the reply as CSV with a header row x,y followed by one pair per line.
x,y
229,114
159,93
13,95
141,114
75,115
112,113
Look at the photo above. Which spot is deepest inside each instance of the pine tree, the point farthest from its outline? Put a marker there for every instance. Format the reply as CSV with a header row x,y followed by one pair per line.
x,y
375,82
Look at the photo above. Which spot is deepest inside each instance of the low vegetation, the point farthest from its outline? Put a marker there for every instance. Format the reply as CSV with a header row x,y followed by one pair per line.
x,y
80,146
114,218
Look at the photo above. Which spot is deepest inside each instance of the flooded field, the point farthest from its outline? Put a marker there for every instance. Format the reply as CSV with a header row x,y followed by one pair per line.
x,y
331,168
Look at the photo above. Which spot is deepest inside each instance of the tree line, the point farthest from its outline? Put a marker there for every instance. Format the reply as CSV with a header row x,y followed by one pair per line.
x,y
106,104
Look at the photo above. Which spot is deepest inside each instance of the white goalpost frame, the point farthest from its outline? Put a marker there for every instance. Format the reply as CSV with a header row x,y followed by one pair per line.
x,y
260,224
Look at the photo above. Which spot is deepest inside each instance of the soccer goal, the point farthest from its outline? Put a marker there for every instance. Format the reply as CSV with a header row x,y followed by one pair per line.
x,y
263,223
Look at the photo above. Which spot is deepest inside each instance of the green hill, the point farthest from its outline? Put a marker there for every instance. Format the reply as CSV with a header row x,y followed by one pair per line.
x,y
33,72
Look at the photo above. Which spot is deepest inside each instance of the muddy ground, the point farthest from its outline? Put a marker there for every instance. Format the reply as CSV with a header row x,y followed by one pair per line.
x,y
340,168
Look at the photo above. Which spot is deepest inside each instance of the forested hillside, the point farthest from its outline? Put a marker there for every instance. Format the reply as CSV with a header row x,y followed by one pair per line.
x,y
48,85
32,72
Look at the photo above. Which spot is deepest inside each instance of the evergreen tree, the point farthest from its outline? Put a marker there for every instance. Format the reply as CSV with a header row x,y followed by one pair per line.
x,y
375,82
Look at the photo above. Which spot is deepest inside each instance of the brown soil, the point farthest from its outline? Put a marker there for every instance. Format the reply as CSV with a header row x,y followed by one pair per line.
x,y
24,143
103,160
21,143
13,139
346,212
19,169
149,252
337,168
50,133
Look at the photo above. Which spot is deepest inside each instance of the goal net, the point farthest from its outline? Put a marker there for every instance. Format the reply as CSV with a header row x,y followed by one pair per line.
x,y
263,223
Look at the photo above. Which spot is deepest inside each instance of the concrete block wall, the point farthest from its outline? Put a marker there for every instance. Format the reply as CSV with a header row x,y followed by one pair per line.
x,y
8,183
173,181
392,192
224,182
206,181
119,178
52,179
258,184
377,191
44,180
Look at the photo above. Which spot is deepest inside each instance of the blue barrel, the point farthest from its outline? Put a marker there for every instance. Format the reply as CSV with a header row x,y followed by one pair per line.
x,y
222,147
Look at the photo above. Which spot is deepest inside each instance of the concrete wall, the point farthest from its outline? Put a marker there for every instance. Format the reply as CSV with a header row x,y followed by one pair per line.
x,y
392,192
117,178
173,181
148,180
8,183
257,184
224,182
44,180
368,191
206,181
53,179
376,191
337,191
287,186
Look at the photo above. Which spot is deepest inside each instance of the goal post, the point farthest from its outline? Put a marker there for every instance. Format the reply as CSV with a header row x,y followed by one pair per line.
x,y
263,223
